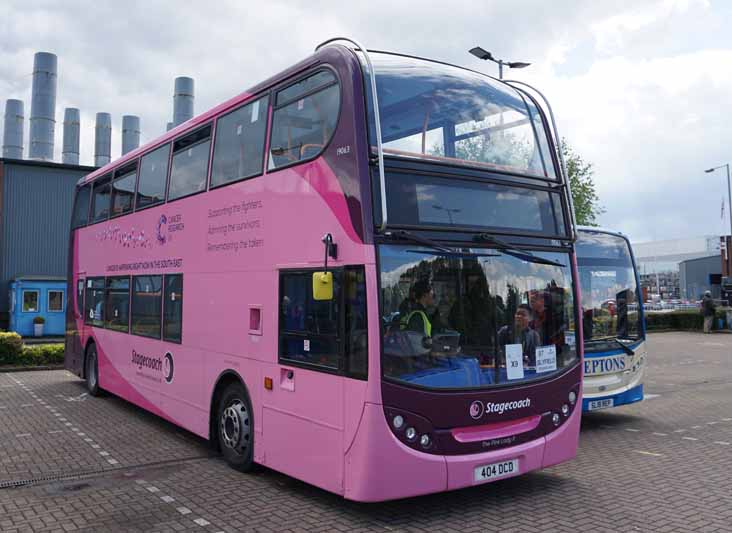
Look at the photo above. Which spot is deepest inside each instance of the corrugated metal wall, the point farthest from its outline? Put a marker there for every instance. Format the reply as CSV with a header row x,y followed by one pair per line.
x,y
36,213
694,277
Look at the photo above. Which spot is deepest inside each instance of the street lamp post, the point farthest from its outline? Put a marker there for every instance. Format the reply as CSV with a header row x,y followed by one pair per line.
x,y
729,192
448,210
480,53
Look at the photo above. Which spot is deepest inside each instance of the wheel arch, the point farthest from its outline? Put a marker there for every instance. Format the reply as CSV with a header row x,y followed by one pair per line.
x,y
89,342
225,378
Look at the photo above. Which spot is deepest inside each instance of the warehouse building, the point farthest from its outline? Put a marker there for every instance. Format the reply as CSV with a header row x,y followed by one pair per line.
x,y
36,199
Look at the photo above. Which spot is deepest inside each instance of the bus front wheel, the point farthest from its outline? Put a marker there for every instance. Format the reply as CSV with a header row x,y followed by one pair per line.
x,y
235,427
92,370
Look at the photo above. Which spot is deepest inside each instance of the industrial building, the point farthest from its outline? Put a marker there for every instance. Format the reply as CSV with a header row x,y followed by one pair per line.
x,y
35,216
696,276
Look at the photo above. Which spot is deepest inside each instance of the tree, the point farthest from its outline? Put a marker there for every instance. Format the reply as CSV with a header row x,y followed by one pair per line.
x,y
581,178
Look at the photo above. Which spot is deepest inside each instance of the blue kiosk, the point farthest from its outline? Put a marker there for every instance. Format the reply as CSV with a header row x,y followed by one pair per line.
x,y
32,296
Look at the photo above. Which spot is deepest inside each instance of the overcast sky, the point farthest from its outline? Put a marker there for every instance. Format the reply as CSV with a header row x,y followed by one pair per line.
x,y
640,88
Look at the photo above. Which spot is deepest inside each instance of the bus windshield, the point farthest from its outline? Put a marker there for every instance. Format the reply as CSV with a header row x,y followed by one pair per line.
x,y
474,318
609,290
434,111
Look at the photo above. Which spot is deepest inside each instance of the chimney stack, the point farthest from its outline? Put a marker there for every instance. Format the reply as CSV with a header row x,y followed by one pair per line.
x,y
72,125
13,130
130,133
103,140
183,100
43,106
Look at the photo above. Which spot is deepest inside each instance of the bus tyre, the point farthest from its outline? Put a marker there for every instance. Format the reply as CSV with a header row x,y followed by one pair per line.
x,y
92,370
235,427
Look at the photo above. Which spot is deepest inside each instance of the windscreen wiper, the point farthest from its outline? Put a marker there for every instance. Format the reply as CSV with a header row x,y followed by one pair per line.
x,y
409,236
510,250
626,349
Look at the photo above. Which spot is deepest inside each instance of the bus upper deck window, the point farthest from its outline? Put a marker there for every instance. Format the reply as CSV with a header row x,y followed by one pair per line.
x,y
304,119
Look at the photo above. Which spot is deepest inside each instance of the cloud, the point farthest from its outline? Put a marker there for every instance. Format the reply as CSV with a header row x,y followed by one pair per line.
x,y
640,88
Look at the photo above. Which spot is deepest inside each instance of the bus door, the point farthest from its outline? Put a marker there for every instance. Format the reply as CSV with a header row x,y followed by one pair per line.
x,y
304,418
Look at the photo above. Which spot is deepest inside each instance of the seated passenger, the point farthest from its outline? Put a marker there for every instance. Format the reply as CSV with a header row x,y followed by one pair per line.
x,y
521,333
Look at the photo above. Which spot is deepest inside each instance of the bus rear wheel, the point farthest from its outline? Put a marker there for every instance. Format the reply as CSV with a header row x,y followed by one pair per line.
x,y
235,427
92,370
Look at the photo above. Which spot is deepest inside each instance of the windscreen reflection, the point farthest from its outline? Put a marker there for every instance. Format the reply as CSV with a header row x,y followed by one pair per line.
x,y
434,111
474,319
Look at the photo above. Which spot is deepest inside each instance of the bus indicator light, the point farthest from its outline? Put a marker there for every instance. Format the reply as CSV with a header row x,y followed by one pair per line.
x,y
555,419
565,409
268,383
411,434
572,397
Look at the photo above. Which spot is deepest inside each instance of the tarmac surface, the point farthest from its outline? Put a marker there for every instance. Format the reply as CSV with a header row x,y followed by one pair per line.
x,y
69,462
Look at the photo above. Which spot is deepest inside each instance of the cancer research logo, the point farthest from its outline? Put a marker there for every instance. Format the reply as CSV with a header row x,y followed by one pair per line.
x,y
162,223
168,367
476,409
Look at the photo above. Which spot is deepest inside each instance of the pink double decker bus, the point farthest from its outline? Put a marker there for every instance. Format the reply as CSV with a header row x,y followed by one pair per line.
x,y
359,273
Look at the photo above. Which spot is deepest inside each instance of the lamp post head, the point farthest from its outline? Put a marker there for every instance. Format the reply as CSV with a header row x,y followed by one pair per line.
x,y
518,64
709,170
481,54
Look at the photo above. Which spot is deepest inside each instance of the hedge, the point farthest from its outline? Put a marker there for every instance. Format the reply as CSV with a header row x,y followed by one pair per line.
x,y
13,352
685,320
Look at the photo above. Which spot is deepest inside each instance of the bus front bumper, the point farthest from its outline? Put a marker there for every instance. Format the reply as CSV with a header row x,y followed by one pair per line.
x,y
632,395
379,467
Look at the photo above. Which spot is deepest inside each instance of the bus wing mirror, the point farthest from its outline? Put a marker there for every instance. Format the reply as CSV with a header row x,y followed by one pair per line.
x,y
322,286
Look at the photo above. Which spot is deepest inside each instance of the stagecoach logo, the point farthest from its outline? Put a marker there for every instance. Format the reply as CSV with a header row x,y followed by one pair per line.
x,y
478,408
168,367
154,368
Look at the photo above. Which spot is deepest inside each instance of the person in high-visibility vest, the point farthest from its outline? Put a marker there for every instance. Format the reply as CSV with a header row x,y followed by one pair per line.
x,y
416,319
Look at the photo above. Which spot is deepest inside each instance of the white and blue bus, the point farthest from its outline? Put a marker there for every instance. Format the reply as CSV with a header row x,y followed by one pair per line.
x,y
613,321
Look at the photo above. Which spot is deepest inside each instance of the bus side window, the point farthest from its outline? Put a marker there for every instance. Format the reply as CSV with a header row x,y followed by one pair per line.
x,y
147,297
94,302
117,304
101,199
153,174
354,286
189,167
123,189
309,329
304,119
173,308
81,207
239,145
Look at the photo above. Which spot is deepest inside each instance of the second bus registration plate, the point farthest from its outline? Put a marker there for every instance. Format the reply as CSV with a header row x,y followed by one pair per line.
x,y
496,470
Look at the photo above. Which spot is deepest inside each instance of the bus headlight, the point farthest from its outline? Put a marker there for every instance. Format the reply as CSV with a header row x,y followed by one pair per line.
x,y
411,434
572,397
398,422
556,419
565,409
425,441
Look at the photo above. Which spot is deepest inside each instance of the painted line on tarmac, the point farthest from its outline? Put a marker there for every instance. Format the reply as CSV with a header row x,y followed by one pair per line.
x,y
58,417
185,511
652,454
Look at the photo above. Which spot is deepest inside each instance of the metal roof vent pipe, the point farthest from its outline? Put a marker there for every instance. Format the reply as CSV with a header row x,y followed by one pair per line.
x,y
13,130
43,106
183,100
103,140
72,126
130,133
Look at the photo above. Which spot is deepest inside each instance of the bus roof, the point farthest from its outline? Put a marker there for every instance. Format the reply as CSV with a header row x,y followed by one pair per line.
x,y
250,93
599,229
